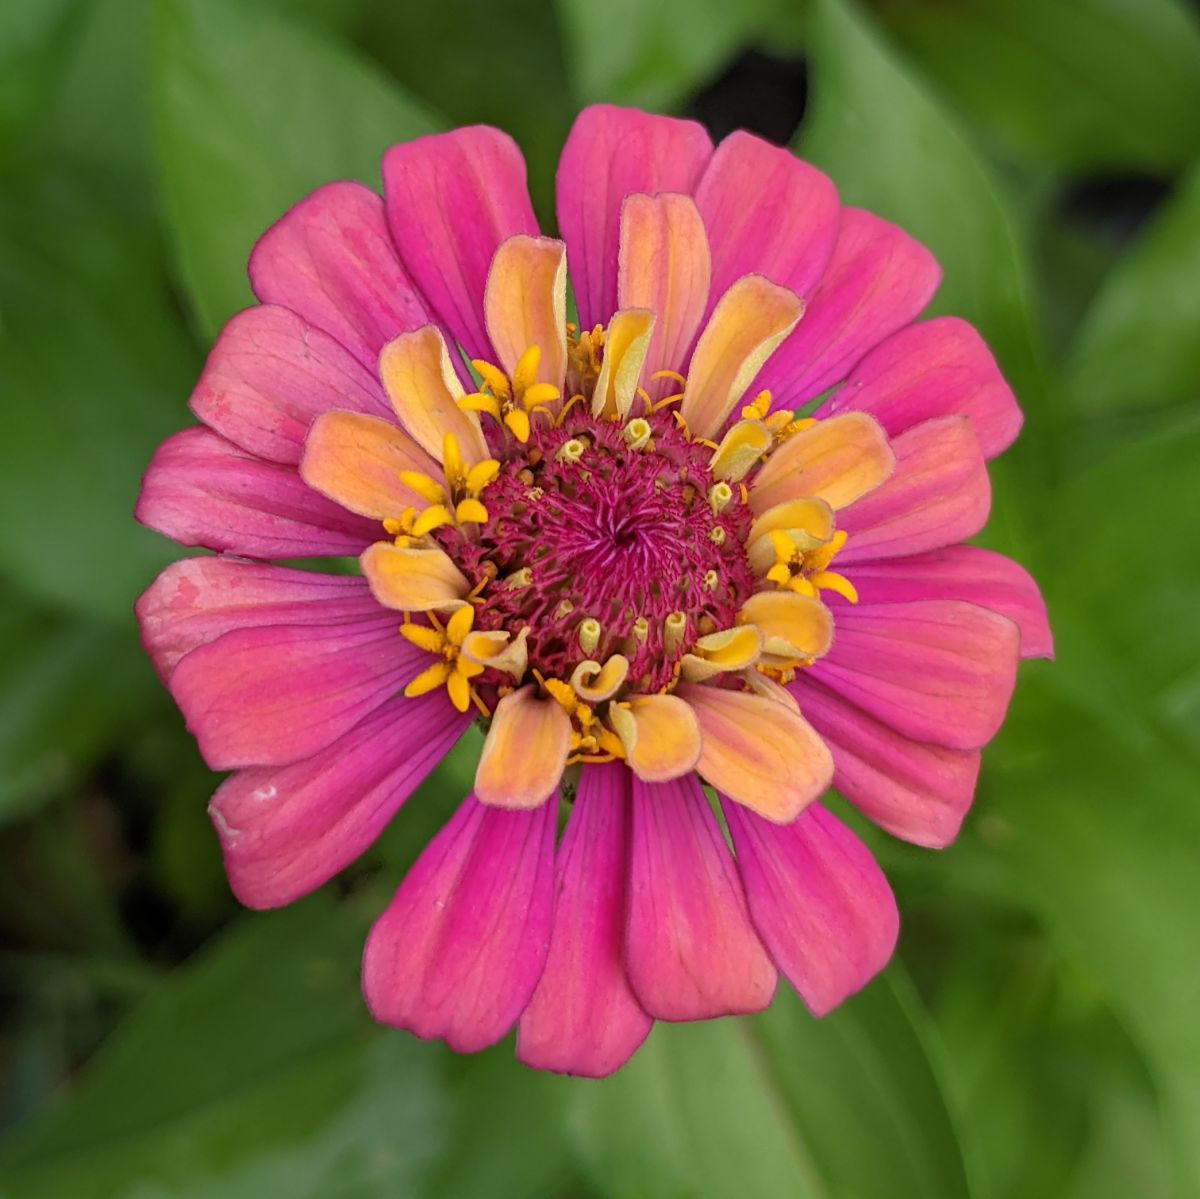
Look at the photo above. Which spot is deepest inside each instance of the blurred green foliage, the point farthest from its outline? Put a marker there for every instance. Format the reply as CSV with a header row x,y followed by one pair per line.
x,y
1038,1034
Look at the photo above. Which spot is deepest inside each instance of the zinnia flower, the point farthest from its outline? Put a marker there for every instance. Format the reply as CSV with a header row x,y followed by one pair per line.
x,y
615,542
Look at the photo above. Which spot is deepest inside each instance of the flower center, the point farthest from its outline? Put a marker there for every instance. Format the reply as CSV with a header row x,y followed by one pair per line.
x,y
600,548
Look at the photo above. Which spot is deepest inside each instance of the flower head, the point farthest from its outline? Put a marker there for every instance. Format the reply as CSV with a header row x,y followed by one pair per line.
x,y
618,544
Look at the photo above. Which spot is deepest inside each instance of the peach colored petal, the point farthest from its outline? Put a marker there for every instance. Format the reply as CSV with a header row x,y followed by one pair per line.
x,y
746,327
423,389
838,460
525,752
526,304
661,737
626,343
792,626
664,266
760,753
356,461
413,580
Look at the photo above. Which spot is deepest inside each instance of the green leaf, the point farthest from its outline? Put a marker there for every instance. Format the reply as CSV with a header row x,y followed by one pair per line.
x,y
256,1072
536,107
33,38
94,367
57,679
1093,84
779,1105
653,55
1138,348
890,147
251,114
1125,587
1101,829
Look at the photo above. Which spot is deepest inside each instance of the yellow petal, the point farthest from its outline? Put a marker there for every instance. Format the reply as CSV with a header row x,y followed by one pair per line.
x,y
838,460
424,485
793,626
664,267
478,402
740,449
428,680
357,461
730,649
595,683
481,474
745,329
517,422
661,737
470,512
525,751
525,304
432,518
539,393
625,344
460,690
424,391
459,624
758,752
830,580
413,580
423,637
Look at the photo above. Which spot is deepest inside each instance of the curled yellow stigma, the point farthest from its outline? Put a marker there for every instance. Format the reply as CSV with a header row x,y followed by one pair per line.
x,y
511,402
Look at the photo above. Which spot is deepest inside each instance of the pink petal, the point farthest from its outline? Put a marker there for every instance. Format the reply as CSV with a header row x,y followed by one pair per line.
x,y
877,281
271,696
584,1018
819,901
330,260
934,670
459,950
914,790
612,153
767,213
940,367
196,600
452,198
201,490
691,952
963,572
938,494
285,831
270,374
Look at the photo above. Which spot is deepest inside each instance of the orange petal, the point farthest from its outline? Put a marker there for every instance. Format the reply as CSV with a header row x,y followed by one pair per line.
x,y
525,303
745,329
664,266
838,460
811,516
413,580
525,751
356,461
661,737
424,390
626,343
758,752
792,626
717,653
